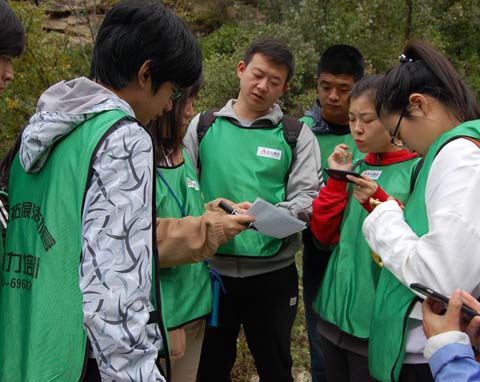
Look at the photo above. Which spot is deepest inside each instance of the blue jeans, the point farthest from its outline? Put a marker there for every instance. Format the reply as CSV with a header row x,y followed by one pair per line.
x,y
315,262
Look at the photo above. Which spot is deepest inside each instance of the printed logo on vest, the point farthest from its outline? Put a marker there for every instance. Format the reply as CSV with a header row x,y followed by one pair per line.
x,y
192,184
372,174
269,153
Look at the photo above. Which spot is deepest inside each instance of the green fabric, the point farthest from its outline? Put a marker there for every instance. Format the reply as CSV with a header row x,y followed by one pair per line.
x,y
348,289
241,164
393,299
327,143
42,337
186,289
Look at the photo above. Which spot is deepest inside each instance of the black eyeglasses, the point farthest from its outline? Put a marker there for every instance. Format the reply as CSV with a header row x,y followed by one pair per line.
x,y
394,139
176,94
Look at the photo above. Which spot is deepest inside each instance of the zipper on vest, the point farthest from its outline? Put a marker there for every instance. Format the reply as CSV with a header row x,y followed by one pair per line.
x,y
405,320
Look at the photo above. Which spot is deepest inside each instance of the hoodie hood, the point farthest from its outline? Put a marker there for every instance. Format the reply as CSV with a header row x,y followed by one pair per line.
x,y
60,109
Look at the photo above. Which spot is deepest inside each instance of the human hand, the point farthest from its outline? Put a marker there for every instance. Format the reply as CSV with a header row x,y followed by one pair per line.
x,y
234,224
177,343
341,158
453,319
472,328
240,207
363,188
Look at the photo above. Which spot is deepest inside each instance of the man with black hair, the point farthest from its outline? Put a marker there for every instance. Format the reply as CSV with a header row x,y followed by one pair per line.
x,y
247,151
12,43
339,68
78,277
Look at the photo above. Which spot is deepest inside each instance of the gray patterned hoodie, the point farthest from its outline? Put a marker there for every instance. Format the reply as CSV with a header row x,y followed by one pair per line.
x,y
116,226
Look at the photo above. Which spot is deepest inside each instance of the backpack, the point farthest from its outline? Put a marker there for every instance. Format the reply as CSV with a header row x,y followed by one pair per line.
x,y
291,130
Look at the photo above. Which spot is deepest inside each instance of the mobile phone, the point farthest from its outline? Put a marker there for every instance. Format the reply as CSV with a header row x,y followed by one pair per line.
x,y
426,291
341,174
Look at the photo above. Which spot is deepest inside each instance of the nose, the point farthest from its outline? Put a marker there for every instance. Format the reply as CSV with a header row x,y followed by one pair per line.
x,y
188,112
357,127
333,95
262,84
7,71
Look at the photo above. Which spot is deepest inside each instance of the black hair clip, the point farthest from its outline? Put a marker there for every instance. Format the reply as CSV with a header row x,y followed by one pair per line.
x,y
403,59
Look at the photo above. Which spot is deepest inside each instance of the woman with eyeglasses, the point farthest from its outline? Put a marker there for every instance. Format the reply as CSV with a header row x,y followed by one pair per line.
x,y
187,236
345,298
435,240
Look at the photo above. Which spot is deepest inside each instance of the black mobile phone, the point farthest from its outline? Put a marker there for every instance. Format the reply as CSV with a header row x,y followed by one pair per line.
x,y
426,291
341,174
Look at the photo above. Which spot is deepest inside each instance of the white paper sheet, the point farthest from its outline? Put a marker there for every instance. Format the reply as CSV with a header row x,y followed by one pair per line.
x,y
272,221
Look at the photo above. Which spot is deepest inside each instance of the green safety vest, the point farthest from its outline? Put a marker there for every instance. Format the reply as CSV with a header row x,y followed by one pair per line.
x,y
42,337
186,289
394,301
240,163
327,143
348,289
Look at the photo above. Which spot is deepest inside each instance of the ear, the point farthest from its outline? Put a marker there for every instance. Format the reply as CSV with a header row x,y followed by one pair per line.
x,y
143,75
285,88
419,104
241,69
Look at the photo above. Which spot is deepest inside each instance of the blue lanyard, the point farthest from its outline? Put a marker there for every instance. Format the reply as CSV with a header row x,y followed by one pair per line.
x,y
182,210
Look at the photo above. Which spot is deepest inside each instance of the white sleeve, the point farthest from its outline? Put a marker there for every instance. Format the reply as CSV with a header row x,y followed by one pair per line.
x,y
447,256
116,265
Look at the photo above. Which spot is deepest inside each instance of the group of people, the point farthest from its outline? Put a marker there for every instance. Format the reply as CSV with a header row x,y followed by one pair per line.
x,y
119,264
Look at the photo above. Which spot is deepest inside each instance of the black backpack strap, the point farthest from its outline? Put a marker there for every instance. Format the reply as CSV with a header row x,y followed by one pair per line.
x,y
291,131
207,118
418,167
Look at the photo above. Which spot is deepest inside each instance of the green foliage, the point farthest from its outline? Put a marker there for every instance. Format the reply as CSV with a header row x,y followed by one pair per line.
x,y
48,58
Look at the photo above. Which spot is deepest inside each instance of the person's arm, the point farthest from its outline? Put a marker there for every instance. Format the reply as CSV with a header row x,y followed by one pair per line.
x,y
328,212
190,141
305,177
443,258
116,264
194,239
448,349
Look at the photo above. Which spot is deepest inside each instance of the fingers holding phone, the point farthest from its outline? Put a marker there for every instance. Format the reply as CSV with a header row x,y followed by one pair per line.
x,y
363,188
434,323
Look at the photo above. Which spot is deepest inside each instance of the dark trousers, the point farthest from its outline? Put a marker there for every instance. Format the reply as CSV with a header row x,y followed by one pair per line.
x,y
266,306
344,365
416,373
314,265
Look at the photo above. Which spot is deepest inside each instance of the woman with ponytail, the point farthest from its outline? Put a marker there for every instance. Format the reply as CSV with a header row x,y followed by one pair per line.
x,y
435,240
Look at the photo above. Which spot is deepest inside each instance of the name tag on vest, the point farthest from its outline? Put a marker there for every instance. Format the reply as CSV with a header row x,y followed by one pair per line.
x,y
192,184
269,153
372,174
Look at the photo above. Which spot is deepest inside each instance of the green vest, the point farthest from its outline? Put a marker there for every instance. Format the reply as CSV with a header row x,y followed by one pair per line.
x,y
394,301
348,289
327,143
186,289
42,337
239,164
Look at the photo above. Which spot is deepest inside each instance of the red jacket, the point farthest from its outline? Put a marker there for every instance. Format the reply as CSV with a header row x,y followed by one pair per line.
x,y
329,205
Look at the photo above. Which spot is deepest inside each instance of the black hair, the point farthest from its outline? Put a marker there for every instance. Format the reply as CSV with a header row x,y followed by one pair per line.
x,y
275,51
425,70
135,31
12,34
342,59
167,131
366,86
